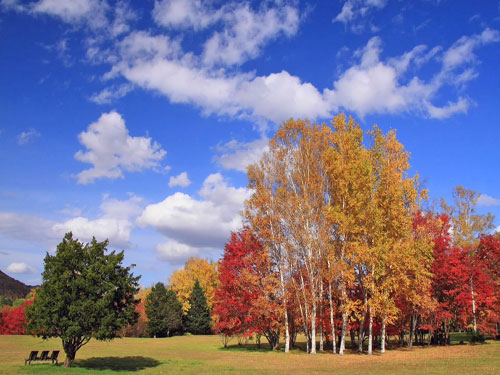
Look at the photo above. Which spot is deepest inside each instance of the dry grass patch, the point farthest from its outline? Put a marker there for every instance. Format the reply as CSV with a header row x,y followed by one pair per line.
x,y
204,355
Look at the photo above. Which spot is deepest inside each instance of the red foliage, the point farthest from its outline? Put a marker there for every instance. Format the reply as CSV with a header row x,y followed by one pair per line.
x,y
459,272
13,320
245,301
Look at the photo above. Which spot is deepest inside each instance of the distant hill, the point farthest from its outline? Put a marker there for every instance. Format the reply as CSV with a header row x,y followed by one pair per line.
x,y
13,288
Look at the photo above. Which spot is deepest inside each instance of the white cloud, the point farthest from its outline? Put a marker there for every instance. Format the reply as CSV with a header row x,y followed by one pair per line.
x,y
13,5
175,253
115,223
181,180
71,211
357,10
111,150
371,86
198,223
26,227
27,136
462,51
111,94
239,155
157,63
374,86
185,14
117,231
92,12
246,31
19,267
486,200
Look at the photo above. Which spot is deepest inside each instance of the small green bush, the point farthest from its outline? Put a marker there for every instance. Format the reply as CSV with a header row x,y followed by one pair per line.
x,y
477,337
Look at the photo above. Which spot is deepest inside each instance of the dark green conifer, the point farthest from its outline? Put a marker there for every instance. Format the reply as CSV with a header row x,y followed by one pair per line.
x,y
198,320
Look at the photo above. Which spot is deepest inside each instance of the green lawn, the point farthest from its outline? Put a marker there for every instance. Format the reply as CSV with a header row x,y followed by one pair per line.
x,y
204,355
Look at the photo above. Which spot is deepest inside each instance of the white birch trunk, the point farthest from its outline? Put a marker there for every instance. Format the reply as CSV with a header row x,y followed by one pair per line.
x,y
370,331
285,308
473,306
332,322
344,329
321,318
313,328
382,338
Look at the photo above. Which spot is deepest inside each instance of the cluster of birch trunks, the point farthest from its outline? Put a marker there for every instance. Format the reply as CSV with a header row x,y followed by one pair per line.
x,y
336,211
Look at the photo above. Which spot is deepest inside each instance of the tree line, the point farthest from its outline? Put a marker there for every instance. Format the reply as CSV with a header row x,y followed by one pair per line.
x,y
337,243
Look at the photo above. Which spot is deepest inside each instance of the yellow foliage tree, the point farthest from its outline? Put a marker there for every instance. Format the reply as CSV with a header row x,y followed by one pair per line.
x,y
182,280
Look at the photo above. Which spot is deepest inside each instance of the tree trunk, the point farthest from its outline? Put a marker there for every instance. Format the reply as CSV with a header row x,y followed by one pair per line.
x,y
285,308
473,305
321,317
353,339
332,322
344,328
70,351
413,324
382,339
313,327
370,331
361,332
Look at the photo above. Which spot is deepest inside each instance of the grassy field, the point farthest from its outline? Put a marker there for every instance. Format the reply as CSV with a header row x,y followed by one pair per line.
x,y
204,355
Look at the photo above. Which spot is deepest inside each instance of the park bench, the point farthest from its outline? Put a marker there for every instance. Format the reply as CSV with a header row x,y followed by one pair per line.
x,y
44,356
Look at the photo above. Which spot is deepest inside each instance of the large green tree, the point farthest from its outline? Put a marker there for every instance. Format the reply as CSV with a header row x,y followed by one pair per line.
x,y
164,312
85,293
198,318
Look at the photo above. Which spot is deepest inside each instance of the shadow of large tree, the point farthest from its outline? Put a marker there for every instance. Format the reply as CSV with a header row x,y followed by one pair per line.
x,y
130,363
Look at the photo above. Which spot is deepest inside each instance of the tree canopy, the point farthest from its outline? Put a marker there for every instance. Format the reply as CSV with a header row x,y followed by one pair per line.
x,y
198,319
164,312
85,293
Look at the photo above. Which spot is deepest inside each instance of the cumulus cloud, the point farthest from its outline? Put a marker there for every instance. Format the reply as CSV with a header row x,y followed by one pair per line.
x,y
175,253
373,85
27,136
198,223
19,268
111,150
239,155
114,224
486,200
157,63
181,180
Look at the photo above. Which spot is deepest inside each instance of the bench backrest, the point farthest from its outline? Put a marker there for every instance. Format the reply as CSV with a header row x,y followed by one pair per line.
x,y
45,355
33,355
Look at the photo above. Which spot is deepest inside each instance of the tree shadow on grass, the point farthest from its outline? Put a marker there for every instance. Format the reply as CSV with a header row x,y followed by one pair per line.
x,y
247,348
130,363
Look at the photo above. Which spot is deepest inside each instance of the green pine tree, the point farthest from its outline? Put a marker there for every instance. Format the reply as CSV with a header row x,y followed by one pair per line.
x,y
198,318
164,312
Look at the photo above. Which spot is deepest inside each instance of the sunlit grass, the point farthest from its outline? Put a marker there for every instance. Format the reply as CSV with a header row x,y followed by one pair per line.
x,y
205,355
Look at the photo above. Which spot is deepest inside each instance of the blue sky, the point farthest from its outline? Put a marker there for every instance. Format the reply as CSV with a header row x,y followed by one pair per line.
x,y
134,121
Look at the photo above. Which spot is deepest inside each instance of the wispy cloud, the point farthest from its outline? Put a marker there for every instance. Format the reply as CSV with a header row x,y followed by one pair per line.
x,y
27,136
